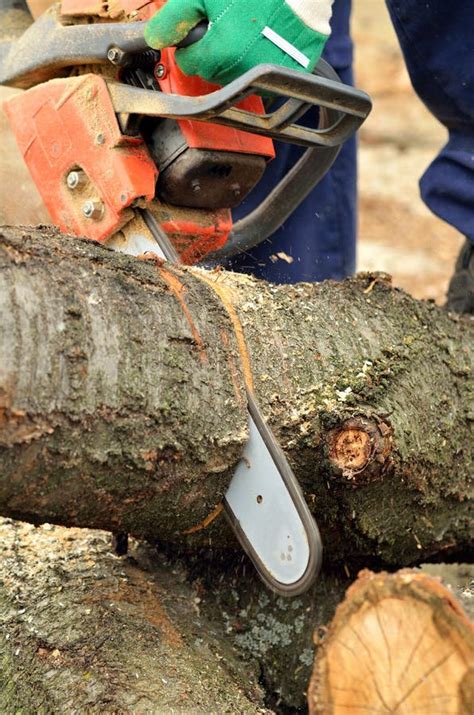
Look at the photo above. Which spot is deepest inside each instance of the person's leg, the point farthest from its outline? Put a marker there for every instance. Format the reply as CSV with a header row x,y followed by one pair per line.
x,y
437,40
320,235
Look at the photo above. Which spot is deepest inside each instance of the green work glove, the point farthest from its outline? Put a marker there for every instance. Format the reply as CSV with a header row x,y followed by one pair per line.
x,y
242,34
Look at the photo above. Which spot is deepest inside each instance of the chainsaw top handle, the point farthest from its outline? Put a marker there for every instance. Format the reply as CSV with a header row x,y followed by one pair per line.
x,y
301,90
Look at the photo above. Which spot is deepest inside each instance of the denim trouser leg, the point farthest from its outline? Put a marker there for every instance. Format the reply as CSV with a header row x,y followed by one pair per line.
x,y
437,40
320,234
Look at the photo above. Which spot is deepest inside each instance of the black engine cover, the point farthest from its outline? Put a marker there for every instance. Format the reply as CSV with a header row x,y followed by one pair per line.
x,y
200,178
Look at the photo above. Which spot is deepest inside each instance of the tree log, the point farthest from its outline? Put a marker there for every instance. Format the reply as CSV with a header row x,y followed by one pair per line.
x,y
122,393
83,630
399,643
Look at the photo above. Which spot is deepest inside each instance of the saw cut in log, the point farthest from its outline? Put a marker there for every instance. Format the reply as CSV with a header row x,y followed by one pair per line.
x,y
399,643
123,403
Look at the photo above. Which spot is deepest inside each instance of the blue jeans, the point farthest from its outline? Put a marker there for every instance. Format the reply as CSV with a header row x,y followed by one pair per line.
x,y
437,40
320,235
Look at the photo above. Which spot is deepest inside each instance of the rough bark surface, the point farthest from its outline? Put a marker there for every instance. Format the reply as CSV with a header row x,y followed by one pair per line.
x,y
123,401
147,632
85,631
118,406
399,643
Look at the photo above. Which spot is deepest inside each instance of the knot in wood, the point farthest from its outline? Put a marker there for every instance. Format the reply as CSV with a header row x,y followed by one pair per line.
x,y
359,448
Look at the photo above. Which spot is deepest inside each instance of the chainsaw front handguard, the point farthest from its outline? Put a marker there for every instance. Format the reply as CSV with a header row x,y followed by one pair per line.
x,y
303,91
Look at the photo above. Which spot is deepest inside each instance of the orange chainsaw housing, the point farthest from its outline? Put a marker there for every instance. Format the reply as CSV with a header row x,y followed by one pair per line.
x,y
69,124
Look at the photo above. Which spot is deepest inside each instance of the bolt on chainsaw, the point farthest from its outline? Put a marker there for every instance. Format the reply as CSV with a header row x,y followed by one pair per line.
x,y
127,150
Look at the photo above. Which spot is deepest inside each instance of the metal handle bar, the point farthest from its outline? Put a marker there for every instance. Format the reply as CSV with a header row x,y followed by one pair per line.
x,y
287,195
47,46
219,106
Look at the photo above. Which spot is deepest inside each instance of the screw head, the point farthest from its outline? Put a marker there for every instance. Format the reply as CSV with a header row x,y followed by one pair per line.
x,y
236,190
93,210
100,138
113,55
75,179
117,56
159,71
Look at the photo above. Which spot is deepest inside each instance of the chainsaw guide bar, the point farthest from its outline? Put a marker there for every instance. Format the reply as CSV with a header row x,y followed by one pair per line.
x,y
264,502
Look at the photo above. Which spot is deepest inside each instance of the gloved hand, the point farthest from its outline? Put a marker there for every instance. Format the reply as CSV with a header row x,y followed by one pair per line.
x,y
242,34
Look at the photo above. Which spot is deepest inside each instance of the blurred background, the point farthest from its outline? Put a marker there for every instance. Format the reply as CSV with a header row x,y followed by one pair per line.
x,y
397,233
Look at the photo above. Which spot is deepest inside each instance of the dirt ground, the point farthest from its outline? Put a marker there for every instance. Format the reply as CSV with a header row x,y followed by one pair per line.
x,y
397,232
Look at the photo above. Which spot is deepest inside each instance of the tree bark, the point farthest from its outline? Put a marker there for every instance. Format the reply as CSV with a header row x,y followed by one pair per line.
x,y
123,399
85,631
147,632
399,643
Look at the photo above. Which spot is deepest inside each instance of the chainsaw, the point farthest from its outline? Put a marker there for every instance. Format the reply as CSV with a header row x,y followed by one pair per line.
x,y
127,150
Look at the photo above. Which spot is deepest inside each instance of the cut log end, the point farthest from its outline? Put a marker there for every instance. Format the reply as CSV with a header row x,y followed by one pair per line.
x,y
359,449
398,644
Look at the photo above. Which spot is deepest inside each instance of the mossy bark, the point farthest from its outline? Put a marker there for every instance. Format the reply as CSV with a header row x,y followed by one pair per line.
x,y
123,399
118,408
83,631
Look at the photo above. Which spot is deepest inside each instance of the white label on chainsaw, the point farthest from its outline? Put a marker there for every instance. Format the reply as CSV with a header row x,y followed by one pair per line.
x,y
286,46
